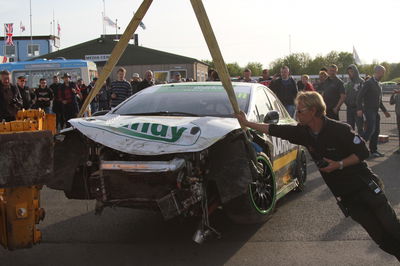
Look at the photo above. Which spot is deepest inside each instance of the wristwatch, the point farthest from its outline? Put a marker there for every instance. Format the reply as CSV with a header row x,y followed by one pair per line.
x,y
340,165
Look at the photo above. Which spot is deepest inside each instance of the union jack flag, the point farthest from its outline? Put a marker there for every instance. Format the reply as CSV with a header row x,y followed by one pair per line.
x,y
8,29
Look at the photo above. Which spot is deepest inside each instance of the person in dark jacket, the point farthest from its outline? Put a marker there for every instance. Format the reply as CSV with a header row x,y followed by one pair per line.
x,y
27,94
395,100
57,105
285,88
67,96
10,98
340,156
369,100
135,81
352,87
104,98
44,96
147,81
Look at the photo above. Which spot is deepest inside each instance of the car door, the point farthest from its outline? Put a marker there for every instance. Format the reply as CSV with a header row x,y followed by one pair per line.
x,y
285,153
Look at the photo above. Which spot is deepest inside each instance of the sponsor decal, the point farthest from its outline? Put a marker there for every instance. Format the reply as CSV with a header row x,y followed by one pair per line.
x,y
179,135
281,146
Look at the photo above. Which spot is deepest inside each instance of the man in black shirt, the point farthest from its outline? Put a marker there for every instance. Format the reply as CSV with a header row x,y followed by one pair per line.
x,y
285,89
333,92
369,100
340,153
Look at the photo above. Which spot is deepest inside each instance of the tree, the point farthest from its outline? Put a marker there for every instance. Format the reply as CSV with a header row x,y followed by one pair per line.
x,y
209,62
255,67
234,69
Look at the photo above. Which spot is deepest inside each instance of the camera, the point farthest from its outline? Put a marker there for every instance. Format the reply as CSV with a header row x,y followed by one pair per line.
x,y
321,163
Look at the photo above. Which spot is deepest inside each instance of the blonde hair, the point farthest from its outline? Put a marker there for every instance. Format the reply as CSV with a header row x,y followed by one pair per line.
x,y
306,76
312,99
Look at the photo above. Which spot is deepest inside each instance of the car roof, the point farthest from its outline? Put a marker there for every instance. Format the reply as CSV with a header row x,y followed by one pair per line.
x,y
243,85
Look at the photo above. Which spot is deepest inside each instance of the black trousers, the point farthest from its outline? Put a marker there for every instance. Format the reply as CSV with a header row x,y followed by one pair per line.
x,y
376,215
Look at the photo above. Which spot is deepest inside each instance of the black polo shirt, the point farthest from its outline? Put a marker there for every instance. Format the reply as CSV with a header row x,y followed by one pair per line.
x,y
336,141
331,89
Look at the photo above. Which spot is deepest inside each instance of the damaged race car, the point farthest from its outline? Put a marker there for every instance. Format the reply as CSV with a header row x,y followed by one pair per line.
x,y
177,149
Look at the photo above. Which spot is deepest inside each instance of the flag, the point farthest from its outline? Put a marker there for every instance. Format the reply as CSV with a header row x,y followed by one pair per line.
x,y
141,24
356,58
21,27
58,29
109,22
8,29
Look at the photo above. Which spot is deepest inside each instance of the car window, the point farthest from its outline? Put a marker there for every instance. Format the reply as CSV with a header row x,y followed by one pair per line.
x,y
277,105
201,100
262,103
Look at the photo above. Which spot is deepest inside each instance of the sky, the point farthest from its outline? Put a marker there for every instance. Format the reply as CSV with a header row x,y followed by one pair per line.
x,y
247,31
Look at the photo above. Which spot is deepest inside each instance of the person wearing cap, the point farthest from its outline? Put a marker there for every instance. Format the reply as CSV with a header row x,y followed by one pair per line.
x,y
27,94
135,81
44,96
177,78
67,97
10,98
57,105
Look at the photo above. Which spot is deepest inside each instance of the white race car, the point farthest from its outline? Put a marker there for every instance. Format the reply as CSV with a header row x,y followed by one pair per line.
x,y
177,149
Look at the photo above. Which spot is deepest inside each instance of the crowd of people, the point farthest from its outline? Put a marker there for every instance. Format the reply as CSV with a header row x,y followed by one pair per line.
x,y
362,97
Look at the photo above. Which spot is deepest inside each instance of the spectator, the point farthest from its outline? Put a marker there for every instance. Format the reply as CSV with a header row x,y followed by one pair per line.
x,y
247,76
83,91
104,98
94,104
285,88
209,74
135,82
177,78
120,88
352,87
333,93
369,100
10,98
57,105
214,76
67,96
265,79
147,82
307,86
44,96
27,94
323,76
395,99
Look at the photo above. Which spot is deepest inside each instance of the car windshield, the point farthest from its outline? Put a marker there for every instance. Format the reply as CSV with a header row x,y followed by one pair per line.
x,y
185,100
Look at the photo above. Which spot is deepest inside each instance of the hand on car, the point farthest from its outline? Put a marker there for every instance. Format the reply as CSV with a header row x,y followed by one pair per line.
x,y
359,113
387,114
336,110
241,116
333,165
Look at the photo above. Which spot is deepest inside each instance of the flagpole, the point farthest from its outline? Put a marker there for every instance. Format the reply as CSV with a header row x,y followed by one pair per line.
x,y
104,15
30,18
54,25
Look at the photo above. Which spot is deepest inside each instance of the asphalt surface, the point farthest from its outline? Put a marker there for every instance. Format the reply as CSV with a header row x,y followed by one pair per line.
x,y
307,229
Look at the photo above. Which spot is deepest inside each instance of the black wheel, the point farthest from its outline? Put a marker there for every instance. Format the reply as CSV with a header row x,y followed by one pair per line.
x,y
301,170
257,205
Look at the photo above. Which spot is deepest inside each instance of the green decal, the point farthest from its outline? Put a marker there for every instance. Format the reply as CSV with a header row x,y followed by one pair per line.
x,y
159,132
176,134
145,127
134,126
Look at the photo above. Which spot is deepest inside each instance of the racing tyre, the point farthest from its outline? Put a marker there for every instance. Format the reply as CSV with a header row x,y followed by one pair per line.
x,y
258,203
301,170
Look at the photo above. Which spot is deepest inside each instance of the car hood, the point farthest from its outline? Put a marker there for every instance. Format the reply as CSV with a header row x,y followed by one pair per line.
x,y
155,135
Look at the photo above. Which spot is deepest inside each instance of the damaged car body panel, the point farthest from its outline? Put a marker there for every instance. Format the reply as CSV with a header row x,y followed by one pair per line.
x,y
177,149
